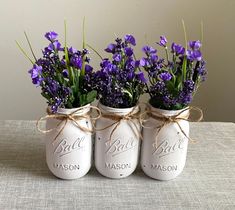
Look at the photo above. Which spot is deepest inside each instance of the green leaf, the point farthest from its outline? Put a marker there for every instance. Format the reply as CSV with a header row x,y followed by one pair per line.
x,y
71,75
178,83
178,106
45,96
184,69
128,93
91,96
83,46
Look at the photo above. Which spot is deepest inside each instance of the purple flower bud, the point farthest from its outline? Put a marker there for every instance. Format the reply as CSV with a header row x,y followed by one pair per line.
x,y
65,73
76,62
195,45
130,75
165,76
111,48
194,55
88,68
35,71
85,51
140,76
137,63
51,36
163,41
55,46
148,50
72,50
117,57
153,58
178,49
36,75
128,51
144,62
130,39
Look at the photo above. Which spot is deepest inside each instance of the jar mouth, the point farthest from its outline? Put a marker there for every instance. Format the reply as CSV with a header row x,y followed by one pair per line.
x,y
118,111
166,112
80,110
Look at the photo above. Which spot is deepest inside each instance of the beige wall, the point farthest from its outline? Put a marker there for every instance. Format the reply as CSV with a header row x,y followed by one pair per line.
x,y
20,100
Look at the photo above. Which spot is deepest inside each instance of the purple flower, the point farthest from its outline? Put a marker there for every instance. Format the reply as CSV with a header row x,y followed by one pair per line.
x,y
72,50
55,46
163,41
185,98
159,87
88,68
140,76
76,62
130,75
111,48
117,57
51,36
149,50
130,39
195,45
65,73
144,62
165,76
189,86
194,55
128,51
35,71
177,49
153,58
137,63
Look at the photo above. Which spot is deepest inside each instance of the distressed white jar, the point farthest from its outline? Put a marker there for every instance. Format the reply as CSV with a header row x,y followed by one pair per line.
x,y
117,157
69,156
163,153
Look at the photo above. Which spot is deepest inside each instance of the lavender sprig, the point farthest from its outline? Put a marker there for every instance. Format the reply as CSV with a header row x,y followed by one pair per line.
x,y
119,82
63,73
174,80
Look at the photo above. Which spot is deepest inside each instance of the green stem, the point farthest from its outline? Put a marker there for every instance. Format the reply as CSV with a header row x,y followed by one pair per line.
x,y
167,56
94,51
185,36
184,67
202,33
83,46
71,74
24,53
30,46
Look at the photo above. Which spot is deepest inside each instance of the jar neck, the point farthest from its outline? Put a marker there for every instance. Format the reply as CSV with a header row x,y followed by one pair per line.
x,y
77,111
118,111
184,112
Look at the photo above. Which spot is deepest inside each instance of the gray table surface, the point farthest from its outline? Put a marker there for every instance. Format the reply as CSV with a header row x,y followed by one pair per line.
x,y
207,182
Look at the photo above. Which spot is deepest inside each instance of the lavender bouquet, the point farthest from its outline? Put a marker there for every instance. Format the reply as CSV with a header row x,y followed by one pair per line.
x,y
120,82
174,79
63,73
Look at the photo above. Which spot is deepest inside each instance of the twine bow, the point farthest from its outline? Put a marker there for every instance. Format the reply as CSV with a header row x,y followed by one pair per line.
x,y
171,119
129,117
64,118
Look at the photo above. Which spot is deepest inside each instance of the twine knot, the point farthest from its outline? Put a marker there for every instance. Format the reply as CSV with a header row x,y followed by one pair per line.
x,y
73,117
129,117
182,115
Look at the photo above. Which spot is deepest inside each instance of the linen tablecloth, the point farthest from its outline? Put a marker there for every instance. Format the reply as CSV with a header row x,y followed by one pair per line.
x,y
207,182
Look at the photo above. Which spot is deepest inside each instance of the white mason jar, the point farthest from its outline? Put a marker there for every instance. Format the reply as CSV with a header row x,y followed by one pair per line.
x,y
163,153
117,157
69,155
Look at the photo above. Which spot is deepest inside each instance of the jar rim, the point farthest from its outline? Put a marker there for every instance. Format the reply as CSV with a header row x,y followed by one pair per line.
x,y
81,110
118,110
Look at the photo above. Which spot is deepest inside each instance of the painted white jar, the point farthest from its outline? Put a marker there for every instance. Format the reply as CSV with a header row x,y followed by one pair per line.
x,y
117,157
69,155
163,153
